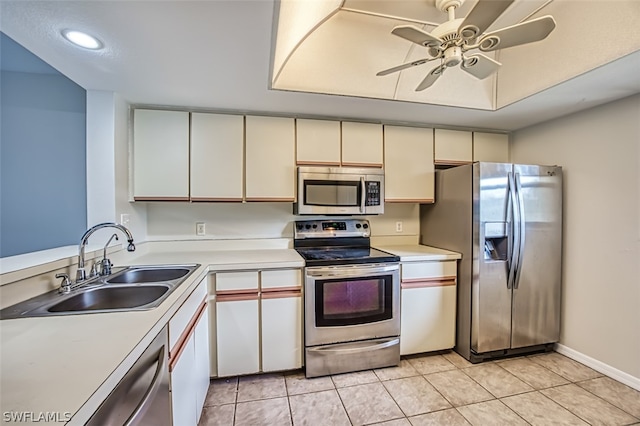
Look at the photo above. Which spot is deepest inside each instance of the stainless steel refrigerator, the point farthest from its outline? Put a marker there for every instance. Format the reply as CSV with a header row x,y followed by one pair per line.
x,y
506,221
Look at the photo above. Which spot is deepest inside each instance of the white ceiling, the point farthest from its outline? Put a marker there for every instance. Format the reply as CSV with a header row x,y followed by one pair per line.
x,y
217,55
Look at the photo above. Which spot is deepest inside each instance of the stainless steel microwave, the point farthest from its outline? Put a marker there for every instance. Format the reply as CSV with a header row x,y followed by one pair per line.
x,y
340,191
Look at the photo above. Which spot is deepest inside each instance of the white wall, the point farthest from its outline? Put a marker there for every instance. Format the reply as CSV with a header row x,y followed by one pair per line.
x,y
177,221
600,155
107,166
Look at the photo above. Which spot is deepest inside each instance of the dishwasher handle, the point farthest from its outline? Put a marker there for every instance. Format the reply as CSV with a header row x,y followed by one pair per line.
x,y
141,409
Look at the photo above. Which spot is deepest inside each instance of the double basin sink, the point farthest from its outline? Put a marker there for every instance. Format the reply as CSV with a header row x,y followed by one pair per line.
x,y
134,288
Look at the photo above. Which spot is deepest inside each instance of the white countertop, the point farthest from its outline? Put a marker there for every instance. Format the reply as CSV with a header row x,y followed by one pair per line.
x,y
416,253
69,364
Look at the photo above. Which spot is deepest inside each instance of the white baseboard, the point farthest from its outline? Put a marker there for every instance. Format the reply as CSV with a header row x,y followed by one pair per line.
x,y
599,366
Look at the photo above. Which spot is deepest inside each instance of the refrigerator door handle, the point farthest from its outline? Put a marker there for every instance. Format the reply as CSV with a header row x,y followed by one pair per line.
x,y
514,212
521,229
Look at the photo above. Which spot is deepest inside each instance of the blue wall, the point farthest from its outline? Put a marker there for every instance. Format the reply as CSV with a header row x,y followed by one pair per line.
x,y
43,202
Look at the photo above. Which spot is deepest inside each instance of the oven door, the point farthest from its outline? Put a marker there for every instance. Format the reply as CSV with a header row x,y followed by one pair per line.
x,y
351,302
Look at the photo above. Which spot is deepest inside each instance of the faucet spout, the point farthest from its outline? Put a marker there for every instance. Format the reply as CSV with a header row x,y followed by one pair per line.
x,y
81,275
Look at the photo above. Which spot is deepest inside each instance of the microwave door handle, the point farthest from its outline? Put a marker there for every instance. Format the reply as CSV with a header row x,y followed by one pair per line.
x,y
363,194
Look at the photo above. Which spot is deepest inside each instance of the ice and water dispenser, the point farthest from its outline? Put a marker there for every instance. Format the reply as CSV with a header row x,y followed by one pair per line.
x,y
496,241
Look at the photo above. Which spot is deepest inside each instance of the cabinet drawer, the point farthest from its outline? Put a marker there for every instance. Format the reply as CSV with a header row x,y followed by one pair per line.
x,y
417,270
189,308
281,279
236,281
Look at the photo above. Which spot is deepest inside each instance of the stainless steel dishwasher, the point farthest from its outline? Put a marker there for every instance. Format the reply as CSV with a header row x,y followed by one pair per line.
x,y
142,396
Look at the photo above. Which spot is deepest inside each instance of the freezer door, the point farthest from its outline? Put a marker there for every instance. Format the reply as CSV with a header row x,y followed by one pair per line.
x,y
537,286
491,298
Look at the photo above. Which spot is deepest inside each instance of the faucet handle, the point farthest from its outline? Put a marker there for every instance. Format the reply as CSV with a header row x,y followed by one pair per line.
x,y
65,285
105,267
95,269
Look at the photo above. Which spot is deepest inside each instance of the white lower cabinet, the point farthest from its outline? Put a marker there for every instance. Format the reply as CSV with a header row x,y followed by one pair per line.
x,y
281,332
238,336
189,358
183,402
428,310
258,330
428,319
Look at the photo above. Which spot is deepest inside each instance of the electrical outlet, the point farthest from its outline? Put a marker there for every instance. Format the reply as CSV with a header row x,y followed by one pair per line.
x,y
398,226
124,219
200,228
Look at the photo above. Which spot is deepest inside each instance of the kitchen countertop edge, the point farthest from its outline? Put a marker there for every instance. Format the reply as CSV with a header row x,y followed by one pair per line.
x,y
417,253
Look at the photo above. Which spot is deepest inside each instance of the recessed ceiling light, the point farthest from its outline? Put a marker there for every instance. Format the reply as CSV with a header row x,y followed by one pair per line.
x,y
82,39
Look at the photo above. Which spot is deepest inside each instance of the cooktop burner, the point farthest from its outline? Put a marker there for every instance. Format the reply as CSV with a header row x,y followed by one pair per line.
x,y
337,242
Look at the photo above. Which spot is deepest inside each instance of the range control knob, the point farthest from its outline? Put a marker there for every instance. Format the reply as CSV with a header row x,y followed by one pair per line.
x,y
307,226
315,226
299,226
358,225
365,225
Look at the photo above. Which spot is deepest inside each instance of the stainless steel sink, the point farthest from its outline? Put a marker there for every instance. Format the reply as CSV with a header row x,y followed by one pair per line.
x,y
147,275
102,298
135,288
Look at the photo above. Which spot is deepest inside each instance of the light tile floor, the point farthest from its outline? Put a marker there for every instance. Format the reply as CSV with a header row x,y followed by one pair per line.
x,y
434,389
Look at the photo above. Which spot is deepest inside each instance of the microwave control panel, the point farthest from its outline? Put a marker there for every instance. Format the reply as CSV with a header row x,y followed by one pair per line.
x,y
372,196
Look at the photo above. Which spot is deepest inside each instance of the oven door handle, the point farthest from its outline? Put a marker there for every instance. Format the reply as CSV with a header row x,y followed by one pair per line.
x,y
363,195
332,349
345,271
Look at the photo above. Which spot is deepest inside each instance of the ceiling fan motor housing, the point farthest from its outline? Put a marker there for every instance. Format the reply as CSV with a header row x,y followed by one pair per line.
x,y
452,56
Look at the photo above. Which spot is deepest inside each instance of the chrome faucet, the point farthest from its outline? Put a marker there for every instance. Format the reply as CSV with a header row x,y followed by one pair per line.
x,y
81,275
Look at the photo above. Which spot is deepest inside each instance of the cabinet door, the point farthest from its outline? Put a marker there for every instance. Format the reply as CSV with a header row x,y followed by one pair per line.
x,y
428,319
409,170
281,331
318,142
217,155
183,403
201,362
270,159
237,336
362,144
453,147
160,155
492,147
236,282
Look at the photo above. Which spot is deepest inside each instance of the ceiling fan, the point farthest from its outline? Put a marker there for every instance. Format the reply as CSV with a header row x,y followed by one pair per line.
x,y
451,40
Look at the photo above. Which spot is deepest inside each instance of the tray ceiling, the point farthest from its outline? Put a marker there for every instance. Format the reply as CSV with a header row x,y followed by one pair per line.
x,y
338,47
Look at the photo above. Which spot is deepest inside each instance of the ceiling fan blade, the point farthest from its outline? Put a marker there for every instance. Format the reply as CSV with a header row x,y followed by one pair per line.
x,y
431,78
515,35
480,66
481,17
416,35
404,66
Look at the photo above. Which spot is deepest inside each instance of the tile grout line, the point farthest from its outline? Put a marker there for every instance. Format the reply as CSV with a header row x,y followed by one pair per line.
x,y
598,396
341,401
575,382
392,398
286,393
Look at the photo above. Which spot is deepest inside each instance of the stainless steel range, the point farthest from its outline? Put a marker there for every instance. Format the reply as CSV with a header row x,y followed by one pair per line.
x,y
351,297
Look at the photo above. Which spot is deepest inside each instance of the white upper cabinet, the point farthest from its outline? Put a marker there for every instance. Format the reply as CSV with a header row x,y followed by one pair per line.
x,y
160,155
408,162
270,159
492,147
362,144
318,142
453,147
217,154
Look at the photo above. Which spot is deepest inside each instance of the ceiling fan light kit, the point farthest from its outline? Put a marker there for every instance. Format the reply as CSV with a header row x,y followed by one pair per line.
x,y
451,40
